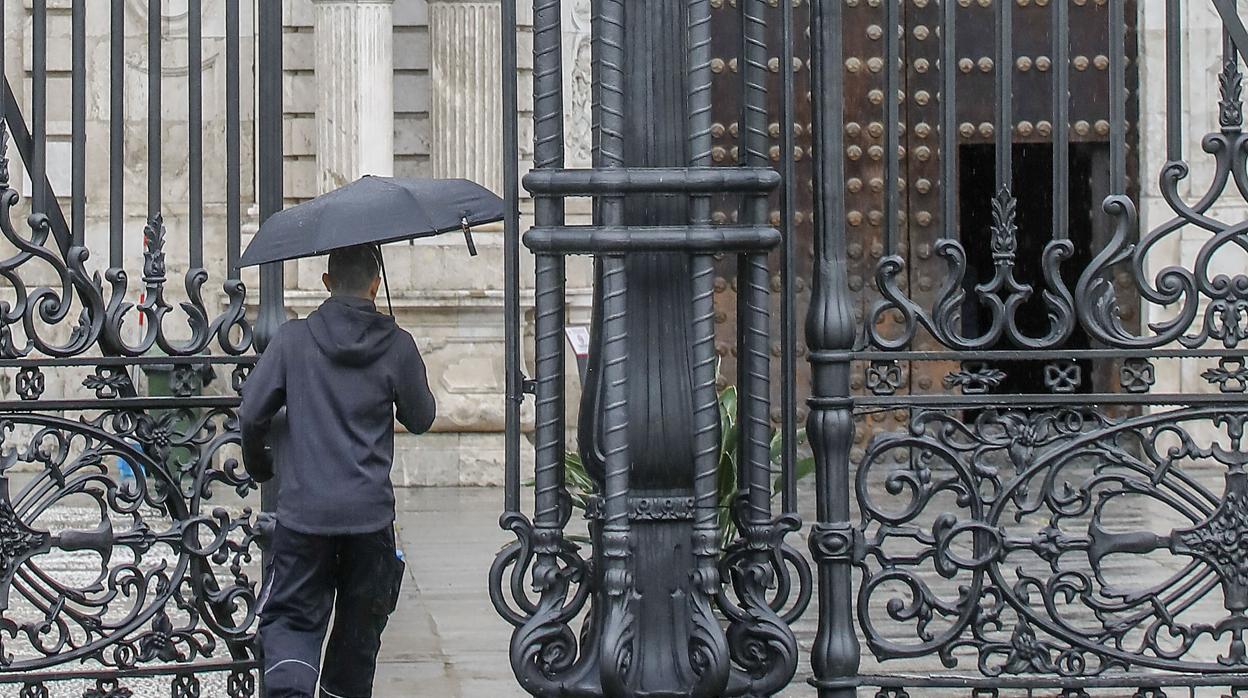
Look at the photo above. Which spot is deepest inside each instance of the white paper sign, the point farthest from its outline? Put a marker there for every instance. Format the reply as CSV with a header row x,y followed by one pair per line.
x,y
578,337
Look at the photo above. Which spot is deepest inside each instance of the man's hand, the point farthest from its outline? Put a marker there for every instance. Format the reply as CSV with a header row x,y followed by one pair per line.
x,y
259,463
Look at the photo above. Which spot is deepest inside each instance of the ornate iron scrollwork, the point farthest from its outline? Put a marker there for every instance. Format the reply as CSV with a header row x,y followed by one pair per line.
x,y
1225,316
1023,606
181,589
100,322
1003,295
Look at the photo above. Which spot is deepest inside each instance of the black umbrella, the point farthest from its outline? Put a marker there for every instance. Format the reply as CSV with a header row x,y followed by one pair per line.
x,y
374,210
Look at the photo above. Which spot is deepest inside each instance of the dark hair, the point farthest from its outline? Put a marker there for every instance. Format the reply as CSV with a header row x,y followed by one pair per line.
x,y
353,269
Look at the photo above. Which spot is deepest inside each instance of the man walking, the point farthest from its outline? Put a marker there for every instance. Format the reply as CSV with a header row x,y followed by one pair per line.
x,y
343,374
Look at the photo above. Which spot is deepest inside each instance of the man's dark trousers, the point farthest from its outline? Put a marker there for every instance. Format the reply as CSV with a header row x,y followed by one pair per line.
x,y
307,572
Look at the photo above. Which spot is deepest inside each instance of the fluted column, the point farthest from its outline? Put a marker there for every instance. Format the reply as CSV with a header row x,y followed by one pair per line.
x,y
466,108
355,90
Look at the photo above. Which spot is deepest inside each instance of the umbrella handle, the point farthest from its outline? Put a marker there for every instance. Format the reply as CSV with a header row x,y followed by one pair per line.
x,y
472,247
381,262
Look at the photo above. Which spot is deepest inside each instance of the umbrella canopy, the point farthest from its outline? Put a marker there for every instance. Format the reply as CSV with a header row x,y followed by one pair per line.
x,y
373,210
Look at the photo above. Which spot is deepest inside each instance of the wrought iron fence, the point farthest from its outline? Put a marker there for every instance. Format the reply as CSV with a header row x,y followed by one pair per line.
x,y
1048,518
128,528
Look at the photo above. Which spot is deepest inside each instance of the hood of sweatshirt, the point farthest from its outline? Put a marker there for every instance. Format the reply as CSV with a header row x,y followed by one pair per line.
x,y
350,330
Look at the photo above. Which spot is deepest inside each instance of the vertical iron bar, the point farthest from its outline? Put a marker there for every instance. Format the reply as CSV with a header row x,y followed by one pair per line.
x,y
1174,81
511,258
949,116
1118,97
269,144
753,370
549,358
551,273
706,405
269,185
195,98
615,329
4,81
892,123
233,146
39,105
1005,96
117,135
1061,120
830,332
705,631
78,127
615,432
154,17
616,536
788,268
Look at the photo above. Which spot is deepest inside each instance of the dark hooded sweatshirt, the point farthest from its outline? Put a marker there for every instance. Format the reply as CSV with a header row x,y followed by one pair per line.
x,y
343,374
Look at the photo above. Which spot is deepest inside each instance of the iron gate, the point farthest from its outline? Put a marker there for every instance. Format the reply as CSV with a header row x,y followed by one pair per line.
x,y
129,559
1073,533
1046,516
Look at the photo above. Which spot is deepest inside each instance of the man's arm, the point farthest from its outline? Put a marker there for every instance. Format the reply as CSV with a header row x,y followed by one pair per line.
x,y
264,393
413,400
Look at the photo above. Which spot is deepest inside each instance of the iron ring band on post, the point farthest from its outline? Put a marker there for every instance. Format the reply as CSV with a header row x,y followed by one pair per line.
x,y
704,239
651,180
830,357
830,403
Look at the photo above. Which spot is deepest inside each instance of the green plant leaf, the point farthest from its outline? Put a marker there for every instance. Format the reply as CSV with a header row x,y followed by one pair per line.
x,y
776,451
728,418
803,468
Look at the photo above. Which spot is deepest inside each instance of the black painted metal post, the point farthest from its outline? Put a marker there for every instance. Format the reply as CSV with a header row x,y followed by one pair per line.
x,y
511,266
708,643
619,632
753,574
551,280
830,326
269,182
548,625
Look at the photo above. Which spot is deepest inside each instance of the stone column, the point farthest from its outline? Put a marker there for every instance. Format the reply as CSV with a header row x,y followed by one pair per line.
x,y
466,106
355,90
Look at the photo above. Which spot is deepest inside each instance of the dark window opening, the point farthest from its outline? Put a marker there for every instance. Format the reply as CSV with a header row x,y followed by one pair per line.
x,y
1033,190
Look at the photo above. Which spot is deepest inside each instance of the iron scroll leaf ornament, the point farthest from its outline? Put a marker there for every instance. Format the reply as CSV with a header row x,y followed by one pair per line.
x,y
100,322
1025,555
43,305
543,648
1225,314
772,585
154,307
1003,296
171,584
1093,303
18,542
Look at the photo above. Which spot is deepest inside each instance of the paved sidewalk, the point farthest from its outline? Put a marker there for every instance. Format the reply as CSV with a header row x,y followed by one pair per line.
x,y
445,639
